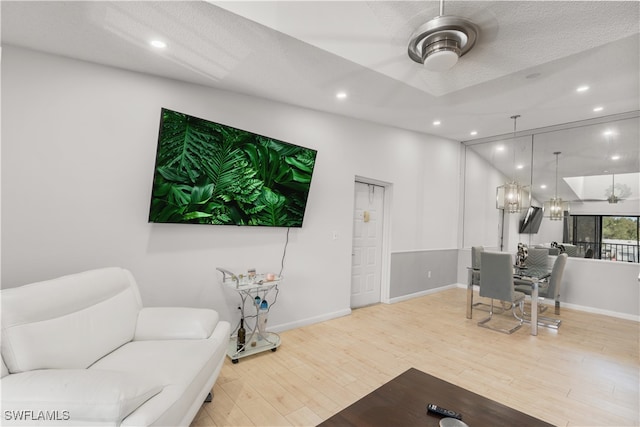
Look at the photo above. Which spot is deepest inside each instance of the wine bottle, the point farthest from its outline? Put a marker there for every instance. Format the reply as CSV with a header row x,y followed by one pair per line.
x,y
241,336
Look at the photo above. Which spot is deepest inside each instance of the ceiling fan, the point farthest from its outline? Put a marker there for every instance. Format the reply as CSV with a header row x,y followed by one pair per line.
x,y
614,193
438,43
381,35
623,191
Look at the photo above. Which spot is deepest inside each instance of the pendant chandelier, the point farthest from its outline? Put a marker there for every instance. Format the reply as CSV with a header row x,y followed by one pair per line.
x,y
512,197
556,209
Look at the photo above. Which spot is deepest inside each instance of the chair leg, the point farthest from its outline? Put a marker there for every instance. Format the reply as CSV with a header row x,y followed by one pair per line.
x,y
548,322
486,319
513,310
484,322
482,306
542,308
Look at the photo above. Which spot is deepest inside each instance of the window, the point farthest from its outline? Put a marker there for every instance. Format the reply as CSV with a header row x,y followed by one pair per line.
x,y
615,238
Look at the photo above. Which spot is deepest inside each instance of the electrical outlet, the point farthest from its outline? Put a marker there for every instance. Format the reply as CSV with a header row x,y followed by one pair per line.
x,y
429,274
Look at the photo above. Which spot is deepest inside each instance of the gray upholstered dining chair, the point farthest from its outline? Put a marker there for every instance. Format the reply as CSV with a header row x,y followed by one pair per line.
x,y
570,250
549,289
475,274
496,270
538,259
537,265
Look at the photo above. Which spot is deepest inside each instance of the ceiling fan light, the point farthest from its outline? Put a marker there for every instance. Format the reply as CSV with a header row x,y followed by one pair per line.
x,y
440,60
441,41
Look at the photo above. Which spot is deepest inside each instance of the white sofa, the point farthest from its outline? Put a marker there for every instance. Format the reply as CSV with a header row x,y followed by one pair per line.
x,y
81,350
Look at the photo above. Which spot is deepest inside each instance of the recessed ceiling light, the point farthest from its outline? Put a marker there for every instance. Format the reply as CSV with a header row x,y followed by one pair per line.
x,y
543,186
473,133
500,148
615,157
436,122
608,133
597,109
341,95
158,44
582,88
520,166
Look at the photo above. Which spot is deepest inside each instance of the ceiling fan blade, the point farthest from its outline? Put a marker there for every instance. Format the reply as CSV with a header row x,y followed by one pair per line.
x,y
618,199
485,18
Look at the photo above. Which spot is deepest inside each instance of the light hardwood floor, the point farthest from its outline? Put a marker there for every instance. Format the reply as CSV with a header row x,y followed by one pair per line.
x,y
585,374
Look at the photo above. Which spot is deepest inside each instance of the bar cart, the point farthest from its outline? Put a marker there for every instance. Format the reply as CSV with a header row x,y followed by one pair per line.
x,y
255,290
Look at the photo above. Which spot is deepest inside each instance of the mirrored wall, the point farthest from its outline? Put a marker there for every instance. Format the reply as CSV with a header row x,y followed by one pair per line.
x,y
593,165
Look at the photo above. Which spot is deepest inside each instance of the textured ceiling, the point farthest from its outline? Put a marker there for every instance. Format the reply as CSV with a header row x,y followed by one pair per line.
x,y
529,59
514,36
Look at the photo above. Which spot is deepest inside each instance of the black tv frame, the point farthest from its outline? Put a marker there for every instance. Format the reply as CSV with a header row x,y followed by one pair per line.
x,y
211,173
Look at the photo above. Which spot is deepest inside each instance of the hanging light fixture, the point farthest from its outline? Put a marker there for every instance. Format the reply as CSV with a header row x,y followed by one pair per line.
x,y
512,197
556,209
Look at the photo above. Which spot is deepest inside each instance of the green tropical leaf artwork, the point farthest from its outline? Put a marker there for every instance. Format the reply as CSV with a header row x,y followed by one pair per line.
x,y
209,173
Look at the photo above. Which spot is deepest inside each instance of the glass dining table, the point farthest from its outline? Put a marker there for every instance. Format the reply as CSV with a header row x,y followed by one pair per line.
x,y
531,276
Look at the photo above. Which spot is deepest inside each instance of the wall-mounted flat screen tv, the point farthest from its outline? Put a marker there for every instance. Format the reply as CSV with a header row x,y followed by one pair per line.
x,y
210,173
532,220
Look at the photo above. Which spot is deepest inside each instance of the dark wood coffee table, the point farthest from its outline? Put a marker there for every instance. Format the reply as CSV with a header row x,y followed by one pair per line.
x,y
403,402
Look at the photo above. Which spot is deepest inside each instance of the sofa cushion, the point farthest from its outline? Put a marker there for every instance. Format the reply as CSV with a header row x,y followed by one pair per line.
x,y
169,323
174,362
68,322
77,395
185,366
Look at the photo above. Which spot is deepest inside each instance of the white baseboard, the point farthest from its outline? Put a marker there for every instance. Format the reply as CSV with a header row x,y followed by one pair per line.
x,y
309,321
594,310
422,293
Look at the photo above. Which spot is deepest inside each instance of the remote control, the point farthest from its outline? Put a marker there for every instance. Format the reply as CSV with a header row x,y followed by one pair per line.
x,y
441,411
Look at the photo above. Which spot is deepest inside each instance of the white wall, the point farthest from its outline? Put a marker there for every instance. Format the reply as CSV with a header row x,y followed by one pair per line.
x,y
550,231
78,149
606,287
481,222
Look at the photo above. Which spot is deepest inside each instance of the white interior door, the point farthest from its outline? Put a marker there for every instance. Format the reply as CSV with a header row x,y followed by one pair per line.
x,y
366,259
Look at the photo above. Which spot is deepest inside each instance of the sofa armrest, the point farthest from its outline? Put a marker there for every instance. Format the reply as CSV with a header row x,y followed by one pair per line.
x,y
167,323
5,370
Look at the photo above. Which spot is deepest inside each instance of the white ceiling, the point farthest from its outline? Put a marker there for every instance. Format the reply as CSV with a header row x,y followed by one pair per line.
x,y
529,59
